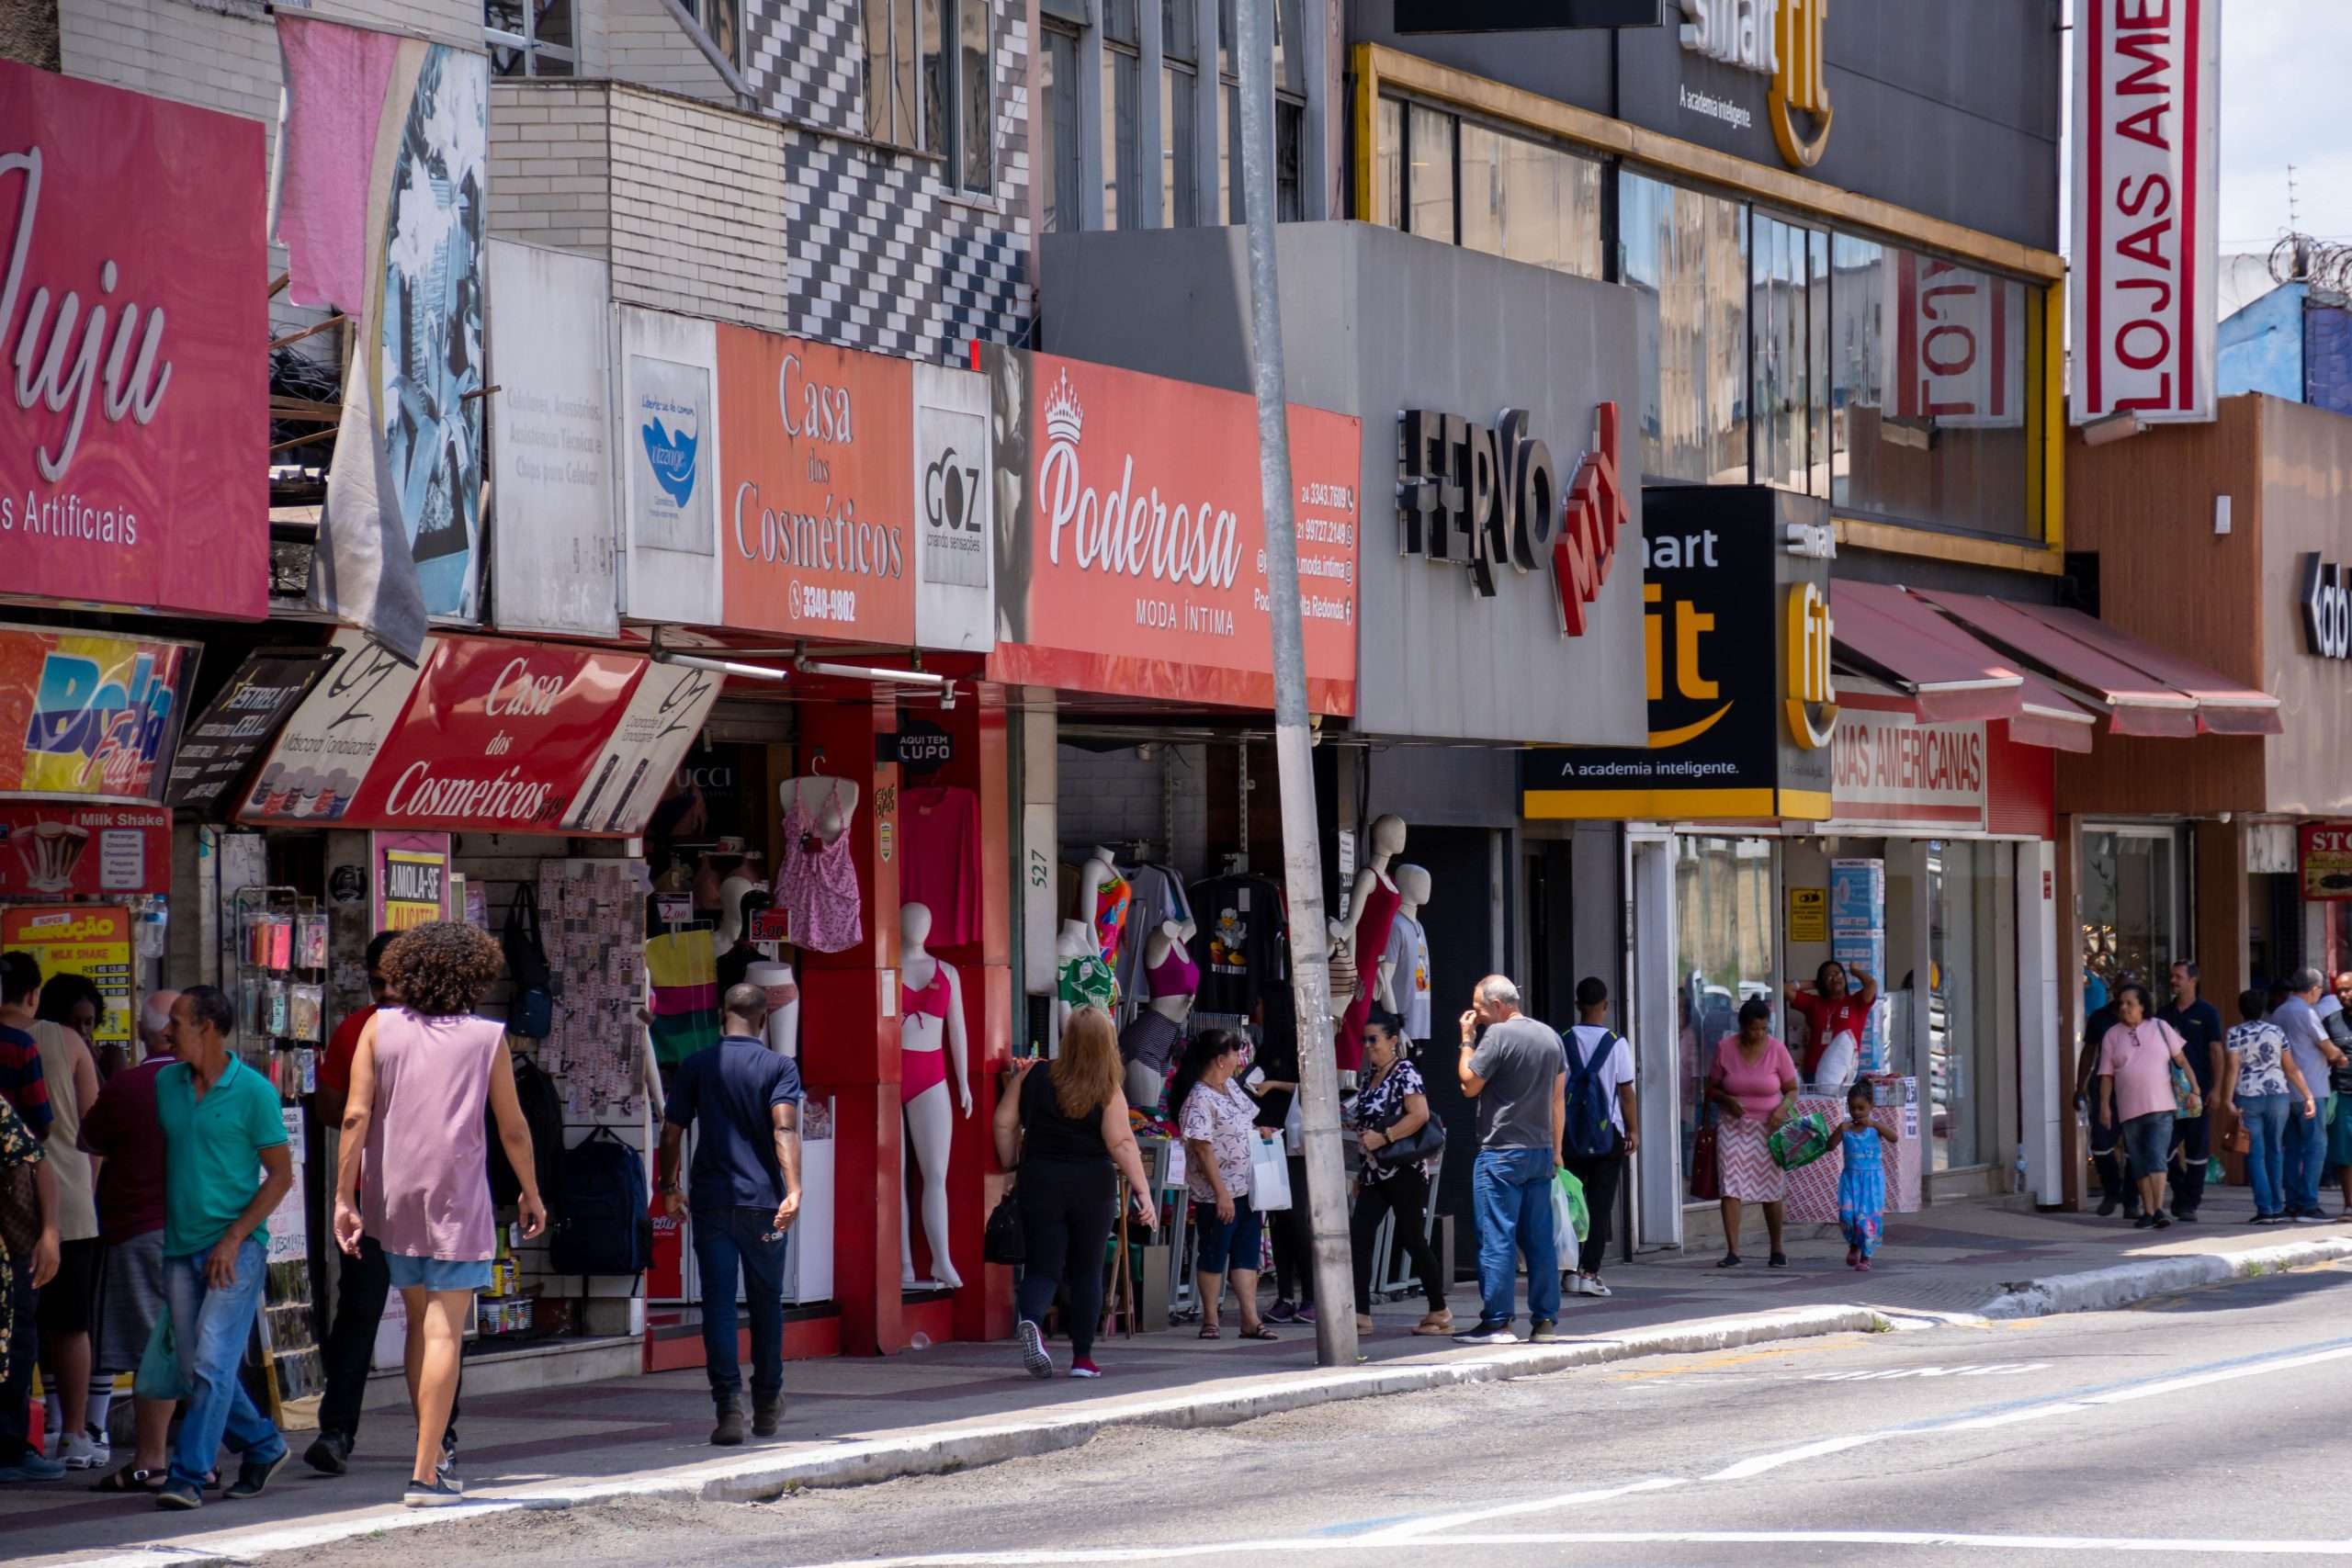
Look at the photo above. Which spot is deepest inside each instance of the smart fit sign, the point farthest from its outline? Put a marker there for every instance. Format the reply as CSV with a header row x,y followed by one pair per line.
x,y
1776,38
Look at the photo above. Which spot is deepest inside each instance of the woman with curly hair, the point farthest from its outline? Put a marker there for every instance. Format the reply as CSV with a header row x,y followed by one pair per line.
x,y
420,1078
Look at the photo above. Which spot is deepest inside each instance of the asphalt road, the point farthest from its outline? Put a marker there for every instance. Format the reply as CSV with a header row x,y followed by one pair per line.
x,y
2208,1424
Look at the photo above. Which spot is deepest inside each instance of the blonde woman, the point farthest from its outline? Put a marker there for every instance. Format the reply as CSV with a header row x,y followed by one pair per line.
x,y
1066,1129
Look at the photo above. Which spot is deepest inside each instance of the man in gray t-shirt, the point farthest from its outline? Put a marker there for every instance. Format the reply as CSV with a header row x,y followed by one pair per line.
x,y
2306,1153
1516,1069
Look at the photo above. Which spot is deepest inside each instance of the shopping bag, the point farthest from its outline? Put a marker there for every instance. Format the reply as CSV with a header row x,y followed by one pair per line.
x,y
1800,1140
1835,1068
1269,1176
1571,1220
158,1376
1706,1168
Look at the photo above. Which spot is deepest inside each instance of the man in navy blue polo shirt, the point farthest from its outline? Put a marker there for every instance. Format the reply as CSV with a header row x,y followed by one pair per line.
x,y
2199,1027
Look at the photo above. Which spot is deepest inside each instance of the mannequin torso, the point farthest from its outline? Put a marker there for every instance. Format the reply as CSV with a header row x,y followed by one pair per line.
x,y
931,1045
1372,910
1103,901
1082,978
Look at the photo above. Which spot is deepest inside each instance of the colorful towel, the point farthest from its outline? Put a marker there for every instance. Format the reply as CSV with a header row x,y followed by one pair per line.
x,y
682,970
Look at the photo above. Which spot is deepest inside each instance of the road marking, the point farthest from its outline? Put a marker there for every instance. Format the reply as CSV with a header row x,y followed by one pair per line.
x,y
1965,1369
1421,1528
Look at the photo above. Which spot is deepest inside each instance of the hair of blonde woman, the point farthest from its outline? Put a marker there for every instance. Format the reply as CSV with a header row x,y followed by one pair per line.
x,y
1086,1074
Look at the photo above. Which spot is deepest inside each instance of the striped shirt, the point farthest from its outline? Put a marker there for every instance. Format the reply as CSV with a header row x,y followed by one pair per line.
x,y
21,1081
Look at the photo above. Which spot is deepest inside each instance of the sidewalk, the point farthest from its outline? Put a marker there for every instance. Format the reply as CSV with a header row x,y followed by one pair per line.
x,y
957,1405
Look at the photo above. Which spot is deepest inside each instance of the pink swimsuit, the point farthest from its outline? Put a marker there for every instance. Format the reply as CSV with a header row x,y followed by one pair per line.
x,y
921,1070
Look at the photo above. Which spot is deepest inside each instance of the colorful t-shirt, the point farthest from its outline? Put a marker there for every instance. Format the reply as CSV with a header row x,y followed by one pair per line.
x,y
1225,1120
1087,981
2260,1048
212,1153
1409,975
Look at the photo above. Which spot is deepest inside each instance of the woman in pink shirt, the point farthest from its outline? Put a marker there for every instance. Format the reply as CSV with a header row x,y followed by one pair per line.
x,y
1753,1086
2135,1087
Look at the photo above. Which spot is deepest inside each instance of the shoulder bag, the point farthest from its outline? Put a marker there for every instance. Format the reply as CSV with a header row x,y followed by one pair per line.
x,y
531,1013
1706,1166
1006,1240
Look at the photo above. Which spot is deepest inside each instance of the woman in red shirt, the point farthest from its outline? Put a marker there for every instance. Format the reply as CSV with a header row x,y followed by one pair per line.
x,y
1830,1009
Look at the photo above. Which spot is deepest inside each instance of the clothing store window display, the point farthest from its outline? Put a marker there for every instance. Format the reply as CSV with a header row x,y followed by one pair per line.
x,y
817,883
1373,903
1149,1044
933,1062
1104,899
1405,964
1082,978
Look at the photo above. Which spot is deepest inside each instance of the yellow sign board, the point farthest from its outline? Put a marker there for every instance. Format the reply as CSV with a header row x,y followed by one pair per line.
x,y
1808,914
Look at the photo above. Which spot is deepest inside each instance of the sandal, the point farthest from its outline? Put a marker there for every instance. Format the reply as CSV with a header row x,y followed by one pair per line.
x,y
130,1479
1260,1332
1435,1323
1211,1331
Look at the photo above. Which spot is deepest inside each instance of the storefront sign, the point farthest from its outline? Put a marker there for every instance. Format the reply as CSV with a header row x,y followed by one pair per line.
x,y
2145,189
956,508
485,733
1779,39
1524,15
89,939
2327,608
817,493
1892,768
667,436
1956,355
87,713
551,434
412,879
1808,914
225,742
62,850
1736,642
1134,536
133,306
2324,860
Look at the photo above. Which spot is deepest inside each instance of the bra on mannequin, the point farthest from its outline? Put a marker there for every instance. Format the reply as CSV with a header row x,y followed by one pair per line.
x,y
1174,976
930,1001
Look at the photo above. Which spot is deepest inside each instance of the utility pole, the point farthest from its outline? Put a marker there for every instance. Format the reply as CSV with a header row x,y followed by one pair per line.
x,y
1319,1078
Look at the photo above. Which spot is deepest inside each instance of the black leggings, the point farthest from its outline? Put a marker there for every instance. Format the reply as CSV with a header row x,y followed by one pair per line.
x,y
1406,1195
1294,1241
1067,1209
1601,1177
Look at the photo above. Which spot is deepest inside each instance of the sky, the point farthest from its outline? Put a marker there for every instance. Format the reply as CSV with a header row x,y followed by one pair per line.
x,y
2285,66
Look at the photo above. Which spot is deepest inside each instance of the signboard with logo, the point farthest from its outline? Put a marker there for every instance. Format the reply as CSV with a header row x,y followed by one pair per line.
x,y
222,744
817,503
1893,769
2323,858
2326,599
552,560
485,733
64,849
1524,15
668,438
413,882
1734,642
2146,187
1779,40
89,939
89,713
1956,351
134,466
1135,538
955,511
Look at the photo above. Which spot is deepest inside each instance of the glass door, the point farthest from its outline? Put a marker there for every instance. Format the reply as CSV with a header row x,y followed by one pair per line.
x,y
2130,897
1727,938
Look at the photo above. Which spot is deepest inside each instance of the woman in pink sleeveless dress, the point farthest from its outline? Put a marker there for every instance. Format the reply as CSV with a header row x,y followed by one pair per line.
x,y
423,1071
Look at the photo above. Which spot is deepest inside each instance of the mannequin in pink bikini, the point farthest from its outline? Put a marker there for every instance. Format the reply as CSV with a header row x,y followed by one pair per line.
x,y
931,1053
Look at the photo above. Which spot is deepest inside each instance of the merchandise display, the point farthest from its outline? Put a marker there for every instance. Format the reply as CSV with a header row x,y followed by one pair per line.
x,y
931,1062
593,928
939,866
817,884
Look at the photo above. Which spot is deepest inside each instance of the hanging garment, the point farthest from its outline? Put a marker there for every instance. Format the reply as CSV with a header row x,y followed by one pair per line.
x,y
1381,902
1157,900
818,887
1174,976
1086,981
939,861
1408,980
683,973
1247,955
1112,898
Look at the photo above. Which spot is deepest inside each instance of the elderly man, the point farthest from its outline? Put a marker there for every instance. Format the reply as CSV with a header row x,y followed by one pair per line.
x,y
2298,1018
1516,1069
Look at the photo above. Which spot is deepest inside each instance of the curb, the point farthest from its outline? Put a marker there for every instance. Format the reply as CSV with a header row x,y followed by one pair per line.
x,y
2101,1290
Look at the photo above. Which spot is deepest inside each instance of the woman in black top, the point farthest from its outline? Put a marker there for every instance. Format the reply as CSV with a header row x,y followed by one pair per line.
x,y
1393,1107
1065,1129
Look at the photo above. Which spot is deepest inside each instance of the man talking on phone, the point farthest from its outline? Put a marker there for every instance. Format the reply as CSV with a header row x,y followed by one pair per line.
x,y
743,1103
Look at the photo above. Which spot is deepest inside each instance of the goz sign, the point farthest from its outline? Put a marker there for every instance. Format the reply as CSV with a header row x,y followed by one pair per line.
x,y
2327,608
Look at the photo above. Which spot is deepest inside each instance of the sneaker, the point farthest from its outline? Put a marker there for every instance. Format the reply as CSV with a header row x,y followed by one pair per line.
x,y
1033,1354
179,1496
2145,1222
76,1451
1084,1366
2108,1207
1305,1314
329,1454
1542,1331
449,1460
2160,1221
1593,1287
32,1467
1571,1283
439,1493
2312,1217
253,1474
1282,1312
2188,1217
1488,1334
728,1434
767,1417
2266,1219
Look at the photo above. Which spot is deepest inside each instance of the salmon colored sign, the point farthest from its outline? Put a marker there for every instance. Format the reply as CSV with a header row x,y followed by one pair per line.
x,y
1135,560
817,489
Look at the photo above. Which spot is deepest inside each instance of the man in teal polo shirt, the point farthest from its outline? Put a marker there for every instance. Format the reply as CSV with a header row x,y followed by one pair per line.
x,y
226,1166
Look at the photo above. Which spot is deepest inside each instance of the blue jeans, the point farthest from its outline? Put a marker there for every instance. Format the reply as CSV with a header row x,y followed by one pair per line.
x,y
2266,1133
1511,1192
725,1241
211,1328
2306,1153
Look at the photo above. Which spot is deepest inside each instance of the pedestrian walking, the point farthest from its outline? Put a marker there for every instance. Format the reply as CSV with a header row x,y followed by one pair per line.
x,y
1603,1125
125,1131
2135,1090
1392,1108
1064,1131
2261,1088
1753,1085
1516,1068
35,1261
2317,1056
2199,1024
2339,1127
2115,1189
226,1167
1218,1121
421,1076
1861,1184
64,1019
742,1101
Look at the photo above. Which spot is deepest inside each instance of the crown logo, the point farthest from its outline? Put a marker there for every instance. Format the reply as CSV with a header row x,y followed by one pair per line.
x,y
1064,419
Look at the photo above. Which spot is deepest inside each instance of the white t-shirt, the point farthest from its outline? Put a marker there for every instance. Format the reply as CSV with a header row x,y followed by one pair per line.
x,y
1585,1039
1408,978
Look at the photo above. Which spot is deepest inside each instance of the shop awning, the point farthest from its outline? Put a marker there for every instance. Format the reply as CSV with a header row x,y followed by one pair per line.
x,y
2145,690
1950,677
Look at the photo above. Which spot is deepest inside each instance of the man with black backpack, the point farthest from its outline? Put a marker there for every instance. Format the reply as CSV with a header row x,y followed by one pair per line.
x,y
1603,1125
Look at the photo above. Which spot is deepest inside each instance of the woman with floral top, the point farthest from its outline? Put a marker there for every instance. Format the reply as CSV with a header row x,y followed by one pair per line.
x,y
1217,1119
1393,1107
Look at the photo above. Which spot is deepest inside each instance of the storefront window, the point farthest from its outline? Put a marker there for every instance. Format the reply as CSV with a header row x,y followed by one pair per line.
x,y
1779,311
2130,908
1529,202
1687,254
1971,994
1723,906
1429,174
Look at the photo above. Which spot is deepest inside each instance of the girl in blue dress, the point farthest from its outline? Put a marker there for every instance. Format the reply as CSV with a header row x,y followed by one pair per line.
x,y
1862,1186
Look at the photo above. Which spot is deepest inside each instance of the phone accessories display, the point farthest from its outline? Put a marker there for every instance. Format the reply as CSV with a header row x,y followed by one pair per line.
x,y
279,940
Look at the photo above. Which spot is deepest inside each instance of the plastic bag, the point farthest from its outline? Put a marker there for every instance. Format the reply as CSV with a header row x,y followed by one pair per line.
x,y
158,1374
1800,1140
1269,1176
1571,1220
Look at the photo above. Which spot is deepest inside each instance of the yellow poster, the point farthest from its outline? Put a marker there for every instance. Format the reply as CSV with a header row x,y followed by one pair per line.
x,y
1808,914
89,939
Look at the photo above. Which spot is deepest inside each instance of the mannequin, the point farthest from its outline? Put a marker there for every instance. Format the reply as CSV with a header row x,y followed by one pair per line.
x,y
1082,978
931,1037
783,1005
817,880
731,907
1372,909
831,802
1404,970
1103,902
1148,1045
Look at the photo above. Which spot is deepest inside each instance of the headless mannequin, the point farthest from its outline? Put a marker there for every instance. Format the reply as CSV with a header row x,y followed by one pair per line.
x,y
1101,869
830,802
931,1122
1072,947
784,1020
1413,889
1144,1084
1372,909
730,908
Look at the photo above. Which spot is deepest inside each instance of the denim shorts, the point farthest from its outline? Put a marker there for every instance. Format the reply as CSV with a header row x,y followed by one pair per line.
x,y
436,1273
2148,1141
1226,1243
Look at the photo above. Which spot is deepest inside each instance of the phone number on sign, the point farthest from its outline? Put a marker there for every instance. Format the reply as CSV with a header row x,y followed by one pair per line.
x,y
823,603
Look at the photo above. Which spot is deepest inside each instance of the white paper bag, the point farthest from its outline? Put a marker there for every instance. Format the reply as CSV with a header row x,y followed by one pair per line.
x,y
1269,1176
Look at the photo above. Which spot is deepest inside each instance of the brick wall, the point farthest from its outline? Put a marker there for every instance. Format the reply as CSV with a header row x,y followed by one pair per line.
x,y
2327,356
640,42
551,165
1116,798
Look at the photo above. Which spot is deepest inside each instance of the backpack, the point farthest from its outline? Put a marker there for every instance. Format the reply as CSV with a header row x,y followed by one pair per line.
x,y
1589,1134
600,1223
531,1012
542,1107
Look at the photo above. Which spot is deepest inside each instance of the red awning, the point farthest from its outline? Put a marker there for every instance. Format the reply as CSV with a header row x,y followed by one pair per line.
x,y
1949,675
2146,691
2049,717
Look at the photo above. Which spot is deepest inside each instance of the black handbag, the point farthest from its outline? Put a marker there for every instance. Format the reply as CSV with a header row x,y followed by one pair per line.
x,y
1006,1239
1424,1142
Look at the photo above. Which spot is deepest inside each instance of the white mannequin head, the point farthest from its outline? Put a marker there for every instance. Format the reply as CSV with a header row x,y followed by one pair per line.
x,y
1388,836
1413,885
915,926
731,907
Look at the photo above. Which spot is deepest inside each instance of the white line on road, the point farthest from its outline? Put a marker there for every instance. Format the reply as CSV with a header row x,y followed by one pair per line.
x,y
1418,1529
